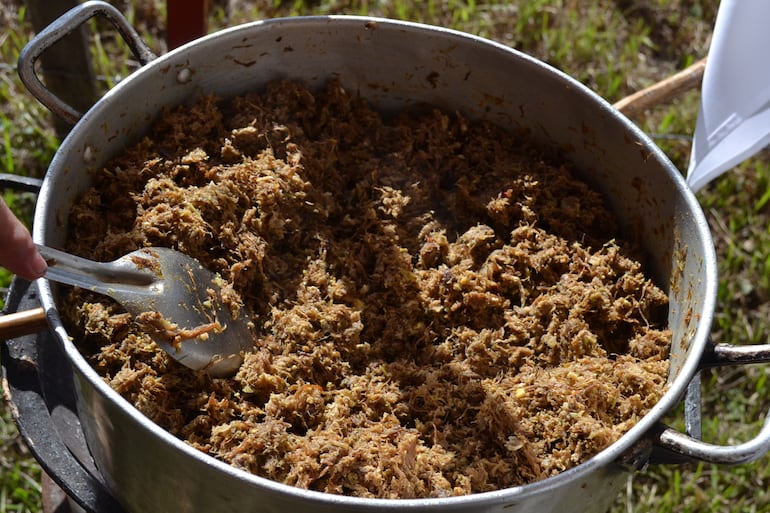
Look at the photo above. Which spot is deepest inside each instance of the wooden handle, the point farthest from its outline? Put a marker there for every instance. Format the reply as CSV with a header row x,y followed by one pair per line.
x,y
663,91
22,323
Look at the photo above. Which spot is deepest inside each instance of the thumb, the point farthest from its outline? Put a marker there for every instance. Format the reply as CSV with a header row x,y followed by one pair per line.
x,y
18,253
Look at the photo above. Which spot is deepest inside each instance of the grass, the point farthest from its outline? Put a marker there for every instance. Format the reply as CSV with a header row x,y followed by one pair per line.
x,y
19,473
616,47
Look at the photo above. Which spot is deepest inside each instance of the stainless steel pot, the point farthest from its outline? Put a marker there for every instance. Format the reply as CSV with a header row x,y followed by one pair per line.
x,y
392,64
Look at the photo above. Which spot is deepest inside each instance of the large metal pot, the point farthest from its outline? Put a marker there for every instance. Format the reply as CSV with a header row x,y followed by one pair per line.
x,y
392,64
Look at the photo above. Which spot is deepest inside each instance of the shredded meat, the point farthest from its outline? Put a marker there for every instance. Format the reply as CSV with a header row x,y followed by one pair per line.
x,y
442,308
160,329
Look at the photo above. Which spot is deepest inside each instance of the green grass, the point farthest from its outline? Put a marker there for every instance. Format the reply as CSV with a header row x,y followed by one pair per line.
x,y
615,47
19,473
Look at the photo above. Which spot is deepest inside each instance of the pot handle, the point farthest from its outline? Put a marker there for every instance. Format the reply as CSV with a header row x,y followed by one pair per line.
x,y
675,447
687,448
20,183
65,24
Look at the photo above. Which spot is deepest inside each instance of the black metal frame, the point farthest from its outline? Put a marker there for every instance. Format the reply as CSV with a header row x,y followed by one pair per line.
x,y
38,382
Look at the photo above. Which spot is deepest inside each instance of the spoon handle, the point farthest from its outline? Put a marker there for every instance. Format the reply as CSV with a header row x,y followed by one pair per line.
x,y
102,277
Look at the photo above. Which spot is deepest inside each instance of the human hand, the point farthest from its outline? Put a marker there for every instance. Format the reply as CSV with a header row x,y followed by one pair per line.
x,y
18,253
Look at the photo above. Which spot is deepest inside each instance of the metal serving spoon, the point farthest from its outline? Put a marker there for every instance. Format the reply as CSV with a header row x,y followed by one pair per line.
x,y
177,301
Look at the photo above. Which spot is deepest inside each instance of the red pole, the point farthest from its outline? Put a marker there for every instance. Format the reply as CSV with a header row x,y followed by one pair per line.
x,y
185,20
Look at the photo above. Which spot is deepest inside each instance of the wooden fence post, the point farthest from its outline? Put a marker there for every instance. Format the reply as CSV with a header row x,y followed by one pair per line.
x,y
185,20
66,67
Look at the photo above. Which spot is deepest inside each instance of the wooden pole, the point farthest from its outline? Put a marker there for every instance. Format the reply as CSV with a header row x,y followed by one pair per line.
x,y
66,67
663,91
22,323
186,20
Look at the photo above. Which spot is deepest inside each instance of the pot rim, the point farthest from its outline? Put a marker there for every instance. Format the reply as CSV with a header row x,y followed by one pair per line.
x,y
609,455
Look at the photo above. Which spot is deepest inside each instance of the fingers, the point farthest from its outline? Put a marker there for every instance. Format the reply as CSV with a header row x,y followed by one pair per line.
x,y
18,253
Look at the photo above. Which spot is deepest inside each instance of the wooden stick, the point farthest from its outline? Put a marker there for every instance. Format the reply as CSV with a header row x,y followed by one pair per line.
x,y
22,323
663,91
66,66
185,20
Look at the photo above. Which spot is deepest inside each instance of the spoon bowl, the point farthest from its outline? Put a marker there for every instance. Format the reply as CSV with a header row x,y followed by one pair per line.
x,y
176,300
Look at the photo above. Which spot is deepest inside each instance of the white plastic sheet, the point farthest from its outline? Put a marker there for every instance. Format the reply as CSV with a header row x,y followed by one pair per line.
x,y
734,117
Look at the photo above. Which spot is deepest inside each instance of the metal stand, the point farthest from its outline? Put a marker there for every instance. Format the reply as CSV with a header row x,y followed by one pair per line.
x,y
46,414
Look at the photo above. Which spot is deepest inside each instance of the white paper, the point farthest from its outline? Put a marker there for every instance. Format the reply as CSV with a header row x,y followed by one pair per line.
x,y
734,117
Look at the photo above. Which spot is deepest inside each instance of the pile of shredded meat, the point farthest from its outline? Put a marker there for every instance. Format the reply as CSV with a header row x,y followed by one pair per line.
x,y
440,308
